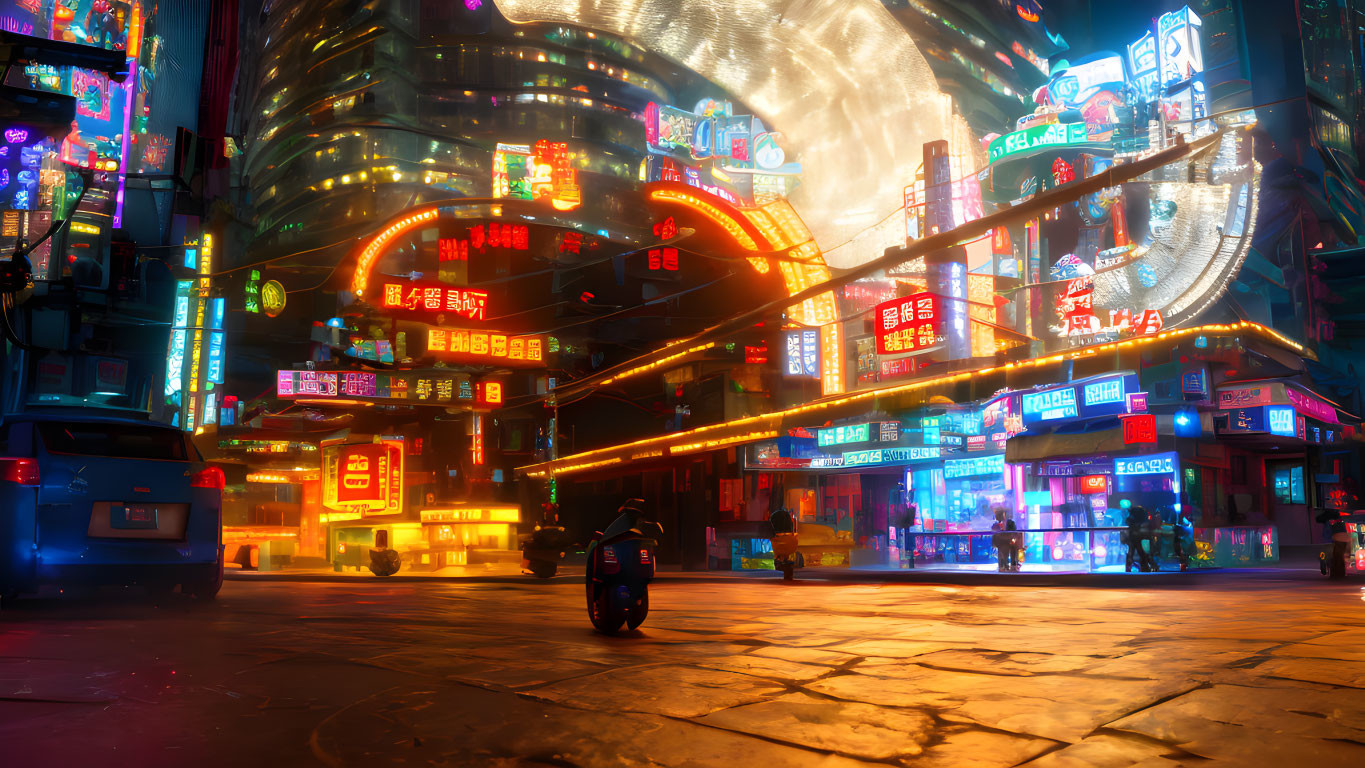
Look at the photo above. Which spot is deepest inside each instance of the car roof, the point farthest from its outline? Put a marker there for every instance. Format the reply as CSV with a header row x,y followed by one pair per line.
x,y
80,418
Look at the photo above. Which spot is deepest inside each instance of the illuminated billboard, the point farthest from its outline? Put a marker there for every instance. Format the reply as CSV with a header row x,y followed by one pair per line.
x,y
908,324
433,299
406,387
366,478
486,346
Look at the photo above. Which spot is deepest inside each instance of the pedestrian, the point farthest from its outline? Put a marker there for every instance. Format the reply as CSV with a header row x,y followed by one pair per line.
x,y
1016,543
1182,532
1136,535
1005,541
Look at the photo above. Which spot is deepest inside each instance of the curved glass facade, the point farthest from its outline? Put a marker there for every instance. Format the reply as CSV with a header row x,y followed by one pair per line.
x,y
366,109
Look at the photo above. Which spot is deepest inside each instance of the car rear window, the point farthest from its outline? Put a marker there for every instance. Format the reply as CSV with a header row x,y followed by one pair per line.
x,y
119,441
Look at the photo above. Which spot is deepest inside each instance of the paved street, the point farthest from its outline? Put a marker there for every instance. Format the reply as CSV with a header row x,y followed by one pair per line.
x,y
747,673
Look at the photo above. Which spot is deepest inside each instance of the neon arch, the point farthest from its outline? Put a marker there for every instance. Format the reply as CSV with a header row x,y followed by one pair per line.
x,y
776,225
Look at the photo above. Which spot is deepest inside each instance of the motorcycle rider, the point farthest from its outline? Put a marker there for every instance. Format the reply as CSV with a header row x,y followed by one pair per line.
x,y
630,516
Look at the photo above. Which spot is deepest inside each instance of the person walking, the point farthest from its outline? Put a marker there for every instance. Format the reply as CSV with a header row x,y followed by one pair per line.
x,y
1005,539
1136,534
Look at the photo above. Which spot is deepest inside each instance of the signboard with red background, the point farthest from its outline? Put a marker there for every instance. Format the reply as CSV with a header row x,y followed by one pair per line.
x,y
907,324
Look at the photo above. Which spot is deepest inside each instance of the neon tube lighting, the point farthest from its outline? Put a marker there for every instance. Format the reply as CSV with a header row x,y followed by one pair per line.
x,y
644,448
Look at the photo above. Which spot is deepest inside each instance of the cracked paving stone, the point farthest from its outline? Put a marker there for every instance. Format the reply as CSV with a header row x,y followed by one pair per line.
x,y
664,690
1111,751
1325,671
1060,707
1001,663
806,655
1260,726
970,747
476,728
760,666
849,728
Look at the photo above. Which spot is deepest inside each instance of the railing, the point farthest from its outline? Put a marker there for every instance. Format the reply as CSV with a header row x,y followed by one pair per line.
x,y
1091,549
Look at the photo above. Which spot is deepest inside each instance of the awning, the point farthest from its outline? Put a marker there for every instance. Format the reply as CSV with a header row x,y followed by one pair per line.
x,y
1021,448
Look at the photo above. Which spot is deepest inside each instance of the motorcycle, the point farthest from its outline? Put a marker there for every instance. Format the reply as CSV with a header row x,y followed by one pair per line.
x,y
620,567
543,549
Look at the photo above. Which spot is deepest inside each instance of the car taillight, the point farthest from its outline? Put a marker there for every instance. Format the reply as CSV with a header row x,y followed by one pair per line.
x,y
21,471
209,477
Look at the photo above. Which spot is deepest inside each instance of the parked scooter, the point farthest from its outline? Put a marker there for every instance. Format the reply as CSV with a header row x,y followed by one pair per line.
x,y
543,549
620,567
784,542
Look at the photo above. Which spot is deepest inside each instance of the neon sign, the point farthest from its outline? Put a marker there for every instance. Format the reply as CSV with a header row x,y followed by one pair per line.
x,y
979,465
1104,392
1145,465
889,455
802,357
427,298
1050,404
1037,137
1281,420
907,324
486,345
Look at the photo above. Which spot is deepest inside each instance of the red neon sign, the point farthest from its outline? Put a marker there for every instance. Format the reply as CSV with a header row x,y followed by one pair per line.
x,y
1139,428
907,324
490,392
424,298
361,472
665,259
1094,484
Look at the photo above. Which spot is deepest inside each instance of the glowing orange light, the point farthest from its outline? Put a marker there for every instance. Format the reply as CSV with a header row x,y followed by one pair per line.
x,y
361,280
711,211
589,460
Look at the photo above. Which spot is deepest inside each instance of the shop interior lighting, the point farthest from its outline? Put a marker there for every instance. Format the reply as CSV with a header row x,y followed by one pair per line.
x,y
768,423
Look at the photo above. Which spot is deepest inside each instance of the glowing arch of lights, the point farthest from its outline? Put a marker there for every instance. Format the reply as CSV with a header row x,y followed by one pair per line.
x,y
409,221
776,225
852,94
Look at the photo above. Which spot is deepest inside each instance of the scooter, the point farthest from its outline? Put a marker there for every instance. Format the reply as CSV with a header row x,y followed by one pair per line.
x,y
620,567
784,543
543,549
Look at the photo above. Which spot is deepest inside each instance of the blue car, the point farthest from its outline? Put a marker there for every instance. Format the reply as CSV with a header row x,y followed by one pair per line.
x,y
87,500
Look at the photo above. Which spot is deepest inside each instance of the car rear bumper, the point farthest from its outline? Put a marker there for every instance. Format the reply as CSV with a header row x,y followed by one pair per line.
x,y
124,574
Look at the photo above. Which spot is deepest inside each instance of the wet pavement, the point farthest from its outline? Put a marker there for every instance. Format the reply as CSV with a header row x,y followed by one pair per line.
x,y
741,673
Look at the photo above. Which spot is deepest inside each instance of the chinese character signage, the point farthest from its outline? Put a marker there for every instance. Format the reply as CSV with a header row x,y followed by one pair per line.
x,y
802,353
1155,464
1049,405
435,388
907,324
980,465
433,298
366,477
1139,428
486,346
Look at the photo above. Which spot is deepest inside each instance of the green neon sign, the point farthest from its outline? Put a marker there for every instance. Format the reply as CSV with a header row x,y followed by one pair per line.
x,y
1038,137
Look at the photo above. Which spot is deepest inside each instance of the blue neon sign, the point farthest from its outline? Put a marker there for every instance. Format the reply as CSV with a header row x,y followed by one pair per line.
x,y
889,455
1050,404
977,465
1154,464
1105,392
1281,420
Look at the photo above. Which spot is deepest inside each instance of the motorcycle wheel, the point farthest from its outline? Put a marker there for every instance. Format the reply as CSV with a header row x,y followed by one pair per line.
x,y
635,615
543,569
604,618
788,570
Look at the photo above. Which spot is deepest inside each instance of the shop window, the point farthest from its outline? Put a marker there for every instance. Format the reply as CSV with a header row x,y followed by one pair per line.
x,y
1287,483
